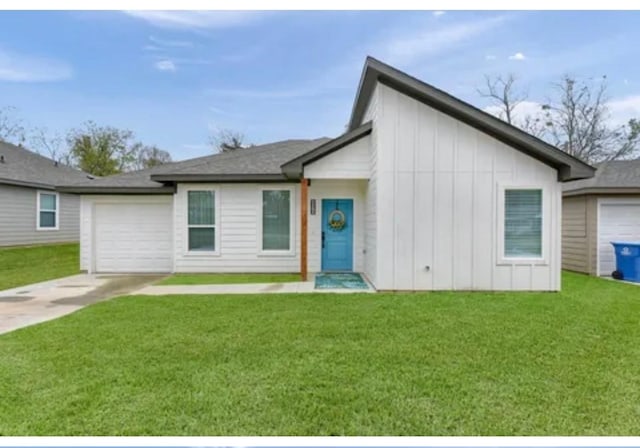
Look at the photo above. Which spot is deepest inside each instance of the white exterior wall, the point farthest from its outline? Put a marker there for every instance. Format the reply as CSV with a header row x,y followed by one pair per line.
x,y
371,194
239,217
332,189
439,190
350,162
87,218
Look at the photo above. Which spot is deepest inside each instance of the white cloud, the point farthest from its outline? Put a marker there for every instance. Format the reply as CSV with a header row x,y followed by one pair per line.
x,y
263,94
165,65
439,13
622,109
490,57
517,57
408,48
196,19
171,43
16,67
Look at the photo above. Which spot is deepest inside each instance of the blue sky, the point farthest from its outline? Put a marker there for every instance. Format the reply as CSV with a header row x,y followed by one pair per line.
x,y
173,77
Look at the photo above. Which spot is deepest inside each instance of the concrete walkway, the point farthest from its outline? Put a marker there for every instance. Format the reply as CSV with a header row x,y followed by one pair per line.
x,y
244,288
39,302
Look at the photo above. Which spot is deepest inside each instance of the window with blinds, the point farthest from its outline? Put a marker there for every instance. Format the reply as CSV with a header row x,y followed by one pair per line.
x,y
47,211
276,220
202,220
523,223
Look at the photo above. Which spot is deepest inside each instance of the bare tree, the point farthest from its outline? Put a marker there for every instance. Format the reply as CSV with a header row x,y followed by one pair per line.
x,y
578,122
575,119
150,156
503,93
225,140
11,128
50,144
534,125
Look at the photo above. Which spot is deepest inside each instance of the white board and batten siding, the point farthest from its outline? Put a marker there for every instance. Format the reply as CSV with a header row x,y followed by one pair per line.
x,y
371,194
618,220
126,233
239,228
438,188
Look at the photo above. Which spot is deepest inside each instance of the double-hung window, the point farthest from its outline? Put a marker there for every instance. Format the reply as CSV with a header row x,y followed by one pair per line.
x,y
47,211
202,220
523,223
276,220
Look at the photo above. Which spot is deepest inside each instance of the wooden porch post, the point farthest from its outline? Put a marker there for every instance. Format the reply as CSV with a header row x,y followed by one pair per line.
x,y
304,194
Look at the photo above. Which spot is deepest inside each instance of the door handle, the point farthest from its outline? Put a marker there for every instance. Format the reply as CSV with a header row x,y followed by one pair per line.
x,y
323,239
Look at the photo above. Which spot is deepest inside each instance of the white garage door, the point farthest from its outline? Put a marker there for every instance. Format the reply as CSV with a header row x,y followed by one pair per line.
x,y
133,237
618,222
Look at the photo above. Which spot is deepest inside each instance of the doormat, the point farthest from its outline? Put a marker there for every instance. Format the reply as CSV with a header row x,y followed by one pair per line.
x,y
346,280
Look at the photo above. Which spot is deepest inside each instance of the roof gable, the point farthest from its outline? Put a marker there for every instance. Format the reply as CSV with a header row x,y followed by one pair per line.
x,y
293,168
569,167
19,166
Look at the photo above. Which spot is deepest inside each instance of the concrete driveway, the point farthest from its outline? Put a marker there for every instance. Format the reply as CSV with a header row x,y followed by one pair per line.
x,y
31,304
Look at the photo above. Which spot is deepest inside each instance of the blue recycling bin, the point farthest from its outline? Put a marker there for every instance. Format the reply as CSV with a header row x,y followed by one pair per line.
x,y
627,260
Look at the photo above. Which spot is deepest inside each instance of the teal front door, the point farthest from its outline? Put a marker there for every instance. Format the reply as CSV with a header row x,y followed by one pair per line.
x,y
337,234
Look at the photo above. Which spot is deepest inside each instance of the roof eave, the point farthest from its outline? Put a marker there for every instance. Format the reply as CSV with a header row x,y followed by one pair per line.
x,y
601,190
115,190
20,183
219,178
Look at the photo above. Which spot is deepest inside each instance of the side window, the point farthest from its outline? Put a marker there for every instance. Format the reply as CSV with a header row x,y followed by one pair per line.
x,y
522,223
276,220
202,220
47,211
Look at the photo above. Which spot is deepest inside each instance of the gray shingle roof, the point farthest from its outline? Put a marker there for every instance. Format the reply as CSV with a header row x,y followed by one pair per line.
x,y
254,162
610,176
23,167
263,160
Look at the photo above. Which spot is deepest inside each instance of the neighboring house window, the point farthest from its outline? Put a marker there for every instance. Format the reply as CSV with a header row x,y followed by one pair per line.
x,y
47,211
202,220
523,223
276,220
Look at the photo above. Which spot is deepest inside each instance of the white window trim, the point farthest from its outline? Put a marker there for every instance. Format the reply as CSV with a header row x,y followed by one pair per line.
x,y
292,223
543,260
216,225
57,211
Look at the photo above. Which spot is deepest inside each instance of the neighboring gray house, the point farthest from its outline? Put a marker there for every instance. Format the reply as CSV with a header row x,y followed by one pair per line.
x,y
32,212
597,211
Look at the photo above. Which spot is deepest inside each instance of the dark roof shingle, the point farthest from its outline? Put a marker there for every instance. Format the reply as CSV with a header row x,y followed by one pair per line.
x,y
19,166
614,176
253,161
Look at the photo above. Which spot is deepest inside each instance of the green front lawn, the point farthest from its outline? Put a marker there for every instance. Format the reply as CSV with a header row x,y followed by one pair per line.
x,y
24,265
354,364
220,279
